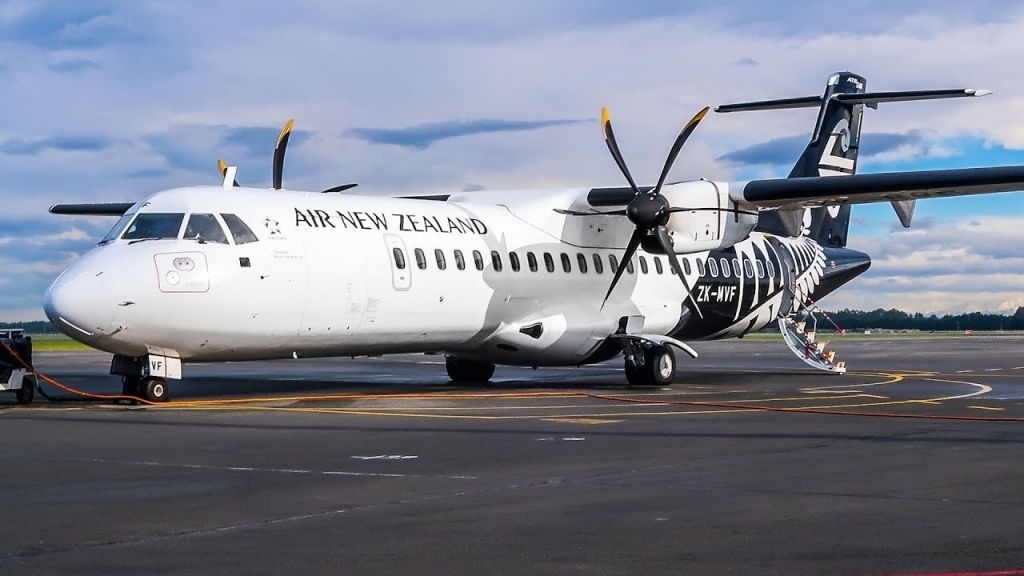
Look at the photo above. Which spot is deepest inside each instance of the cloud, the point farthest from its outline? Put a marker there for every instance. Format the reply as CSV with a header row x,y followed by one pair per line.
x,y
66,143
75,65
55,24
422,136
258,140
746,62
147,173
786,150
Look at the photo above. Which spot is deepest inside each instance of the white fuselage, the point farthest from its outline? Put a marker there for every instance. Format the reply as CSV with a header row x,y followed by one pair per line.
x,y
346,275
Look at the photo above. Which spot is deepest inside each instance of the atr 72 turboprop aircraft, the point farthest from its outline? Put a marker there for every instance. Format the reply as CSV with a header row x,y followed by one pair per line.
x,y
526,277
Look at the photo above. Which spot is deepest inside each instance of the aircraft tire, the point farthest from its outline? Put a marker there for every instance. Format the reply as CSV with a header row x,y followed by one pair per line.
x,y
27,392
659,368
154,390
462,371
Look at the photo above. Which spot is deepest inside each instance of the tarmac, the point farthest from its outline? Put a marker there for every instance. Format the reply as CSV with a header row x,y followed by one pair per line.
x,y
751,463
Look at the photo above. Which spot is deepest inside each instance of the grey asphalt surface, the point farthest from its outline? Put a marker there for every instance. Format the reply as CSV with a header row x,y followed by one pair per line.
x,y
379,466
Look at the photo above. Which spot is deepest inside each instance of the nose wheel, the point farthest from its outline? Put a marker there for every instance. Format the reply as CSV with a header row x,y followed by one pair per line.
x,y
654,366
149,389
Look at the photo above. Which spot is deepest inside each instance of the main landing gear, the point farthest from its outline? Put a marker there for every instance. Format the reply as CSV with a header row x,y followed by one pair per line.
x,y
650,365
150,389
463,371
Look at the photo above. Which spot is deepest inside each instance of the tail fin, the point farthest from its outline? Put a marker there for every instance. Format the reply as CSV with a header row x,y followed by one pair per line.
x,y
832,151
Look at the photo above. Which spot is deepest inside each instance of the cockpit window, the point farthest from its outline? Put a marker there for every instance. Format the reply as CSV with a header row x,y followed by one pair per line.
x,y
205,228
239,231
118,228
154,226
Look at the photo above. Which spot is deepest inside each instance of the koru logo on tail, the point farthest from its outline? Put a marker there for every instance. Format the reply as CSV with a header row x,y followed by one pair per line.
x,y
833,162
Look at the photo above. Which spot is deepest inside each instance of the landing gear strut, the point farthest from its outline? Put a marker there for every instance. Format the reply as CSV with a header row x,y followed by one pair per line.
x,y
463,371
650,365
149,389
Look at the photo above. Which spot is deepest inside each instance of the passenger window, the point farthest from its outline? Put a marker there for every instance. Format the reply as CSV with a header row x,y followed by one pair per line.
x,y
736,268
657,266
581,261
725,268
460,261
399,258
700,267
686,265
513,260
598,264
478,260
760,269
154,226
643,265
441,262
613,263
748,268
549,262
239,231
531,259
496,260
713,267
421,259
771,268
566,263
629,266
205,228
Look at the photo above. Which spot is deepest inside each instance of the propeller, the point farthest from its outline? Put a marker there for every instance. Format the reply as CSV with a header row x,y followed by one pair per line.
x,y
282,145
223,166
649,211
278,166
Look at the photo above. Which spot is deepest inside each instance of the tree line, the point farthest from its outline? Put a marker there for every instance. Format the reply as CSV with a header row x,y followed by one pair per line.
x,y
894,319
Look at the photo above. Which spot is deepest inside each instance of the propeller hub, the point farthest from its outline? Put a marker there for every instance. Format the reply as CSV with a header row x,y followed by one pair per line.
x,y
648,211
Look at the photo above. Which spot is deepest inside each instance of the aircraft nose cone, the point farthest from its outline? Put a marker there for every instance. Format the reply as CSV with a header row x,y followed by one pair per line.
x,y
80,303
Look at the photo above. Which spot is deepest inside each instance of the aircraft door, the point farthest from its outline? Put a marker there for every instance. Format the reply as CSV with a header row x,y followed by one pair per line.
x,y
401,264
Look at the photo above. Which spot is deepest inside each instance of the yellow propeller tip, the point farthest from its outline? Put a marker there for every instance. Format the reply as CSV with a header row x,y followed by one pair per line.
x,y
605,117
223,166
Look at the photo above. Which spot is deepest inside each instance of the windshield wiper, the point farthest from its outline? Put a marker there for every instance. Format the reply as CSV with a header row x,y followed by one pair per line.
x,y
143,239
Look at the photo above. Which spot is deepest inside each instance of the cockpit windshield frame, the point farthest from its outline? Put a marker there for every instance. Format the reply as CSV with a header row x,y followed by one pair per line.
x,y
118,228
155,226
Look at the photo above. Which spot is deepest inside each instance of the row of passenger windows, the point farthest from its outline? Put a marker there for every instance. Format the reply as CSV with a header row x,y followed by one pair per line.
x,y
714,267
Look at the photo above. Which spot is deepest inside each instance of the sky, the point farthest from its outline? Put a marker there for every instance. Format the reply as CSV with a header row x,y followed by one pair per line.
x,y
112,101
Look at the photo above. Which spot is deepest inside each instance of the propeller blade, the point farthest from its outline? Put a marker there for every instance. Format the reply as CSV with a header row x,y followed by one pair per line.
x,y
666,246
613,147
223,167
730,210
341,188
593,213
634,243
282,145
677,146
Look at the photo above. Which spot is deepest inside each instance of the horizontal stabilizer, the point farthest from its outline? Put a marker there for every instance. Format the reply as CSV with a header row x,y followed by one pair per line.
x,y
870,99
866,188
781,104
100,209
873,99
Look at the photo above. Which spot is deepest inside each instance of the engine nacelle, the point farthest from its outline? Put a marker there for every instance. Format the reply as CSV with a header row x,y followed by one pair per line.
x,y
709,226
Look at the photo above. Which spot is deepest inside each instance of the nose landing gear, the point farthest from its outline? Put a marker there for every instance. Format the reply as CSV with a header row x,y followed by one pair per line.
x,y
150,389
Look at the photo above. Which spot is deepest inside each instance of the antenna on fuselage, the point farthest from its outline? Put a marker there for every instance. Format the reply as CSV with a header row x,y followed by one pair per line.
x,y
224,170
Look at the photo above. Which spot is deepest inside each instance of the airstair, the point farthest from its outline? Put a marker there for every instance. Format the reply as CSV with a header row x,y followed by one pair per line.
x,y
800,330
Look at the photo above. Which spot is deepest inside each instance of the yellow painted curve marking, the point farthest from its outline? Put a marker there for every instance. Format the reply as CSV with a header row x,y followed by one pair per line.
x,y
986,408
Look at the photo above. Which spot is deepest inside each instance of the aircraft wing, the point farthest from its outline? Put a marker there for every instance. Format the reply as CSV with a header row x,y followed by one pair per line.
x,y
95,209
789,193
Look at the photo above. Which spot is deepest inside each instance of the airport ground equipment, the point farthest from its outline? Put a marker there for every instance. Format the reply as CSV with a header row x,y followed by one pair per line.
x,y
14,376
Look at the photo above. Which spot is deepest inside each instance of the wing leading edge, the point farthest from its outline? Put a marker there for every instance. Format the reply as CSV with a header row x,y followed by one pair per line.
x,y
95,209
